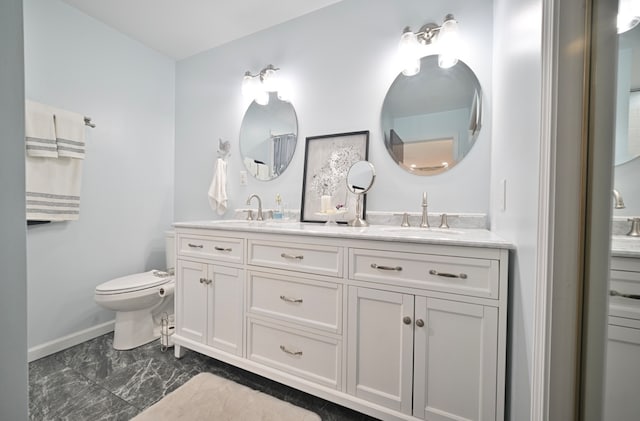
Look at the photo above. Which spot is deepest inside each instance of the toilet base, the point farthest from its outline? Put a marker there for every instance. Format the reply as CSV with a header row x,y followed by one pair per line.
x,y
133,329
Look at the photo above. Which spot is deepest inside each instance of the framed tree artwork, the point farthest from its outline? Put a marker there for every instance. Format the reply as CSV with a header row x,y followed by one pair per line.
x,y
327,160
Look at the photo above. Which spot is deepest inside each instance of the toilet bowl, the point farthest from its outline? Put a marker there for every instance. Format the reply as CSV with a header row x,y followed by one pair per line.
x,y
139,301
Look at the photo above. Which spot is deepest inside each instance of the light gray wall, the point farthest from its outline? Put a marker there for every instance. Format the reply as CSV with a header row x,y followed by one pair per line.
x,y
13,274
515,158
74,62
339,61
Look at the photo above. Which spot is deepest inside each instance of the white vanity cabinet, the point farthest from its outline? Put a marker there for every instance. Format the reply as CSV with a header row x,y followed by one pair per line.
x,y
209,292
622,374
398,329
432,358
433,352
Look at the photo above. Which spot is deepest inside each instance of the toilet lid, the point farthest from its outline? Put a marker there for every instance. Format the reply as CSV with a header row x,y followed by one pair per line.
x,y
135,282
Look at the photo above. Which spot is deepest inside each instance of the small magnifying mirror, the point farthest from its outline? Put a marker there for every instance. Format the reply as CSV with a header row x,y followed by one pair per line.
x,y
360,178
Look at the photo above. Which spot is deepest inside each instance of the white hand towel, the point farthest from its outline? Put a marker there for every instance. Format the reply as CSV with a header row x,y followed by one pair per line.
x,y
218,189
70,130
40,133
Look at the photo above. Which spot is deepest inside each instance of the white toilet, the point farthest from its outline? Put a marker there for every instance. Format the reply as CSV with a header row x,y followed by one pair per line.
x,y
139,301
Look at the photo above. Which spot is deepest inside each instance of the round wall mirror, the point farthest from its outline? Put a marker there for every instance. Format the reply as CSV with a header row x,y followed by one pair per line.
x,y
628,97
268,137
431,120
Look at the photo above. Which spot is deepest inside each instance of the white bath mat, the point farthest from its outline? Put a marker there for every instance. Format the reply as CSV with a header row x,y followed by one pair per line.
x,y
209,397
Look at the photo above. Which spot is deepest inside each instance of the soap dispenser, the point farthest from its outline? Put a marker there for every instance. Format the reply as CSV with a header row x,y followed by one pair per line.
x,y
278,213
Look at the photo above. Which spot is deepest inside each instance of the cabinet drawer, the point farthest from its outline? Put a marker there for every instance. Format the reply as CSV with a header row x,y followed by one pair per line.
x,y
310,303
625,283
458,275
309,356
220,248
311,258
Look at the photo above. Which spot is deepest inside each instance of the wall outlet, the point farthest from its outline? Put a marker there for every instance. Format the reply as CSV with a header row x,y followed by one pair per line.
x,y
243,178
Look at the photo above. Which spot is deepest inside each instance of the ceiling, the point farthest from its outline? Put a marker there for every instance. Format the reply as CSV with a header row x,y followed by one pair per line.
x,y
180,29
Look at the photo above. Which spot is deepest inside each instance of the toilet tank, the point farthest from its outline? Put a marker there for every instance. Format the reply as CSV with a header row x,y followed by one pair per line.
x,y
170,249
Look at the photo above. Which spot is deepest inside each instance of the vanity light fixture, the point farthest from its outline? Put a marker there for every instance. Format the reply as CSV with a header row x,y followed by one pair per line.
x,y
257,86
628,15
444,36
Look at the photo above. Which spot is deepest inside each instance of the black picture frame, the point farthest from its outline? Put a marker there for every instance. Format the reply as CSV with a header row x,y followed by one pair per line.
x,y
327,160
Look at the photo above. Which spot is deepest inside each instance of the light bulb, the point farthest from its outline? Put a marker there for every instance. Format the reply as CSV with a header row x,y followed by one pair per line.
x,y
248,85
448,43
262,97
270,80
283,94
411,68
628,15
409,53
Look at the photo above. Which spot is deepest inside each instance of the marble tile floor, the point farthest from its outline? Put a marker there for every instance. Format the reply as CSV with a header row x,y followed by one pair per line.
x,y
92,381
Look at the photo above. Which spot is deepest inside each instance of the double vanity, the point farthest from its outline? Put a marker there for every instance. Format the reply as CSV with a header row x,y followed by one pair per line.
x,y
398,323
623,345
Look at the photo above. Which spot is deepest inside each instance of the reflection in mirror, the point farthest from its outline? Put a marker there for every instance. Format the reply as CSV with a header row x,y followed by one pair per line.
x,y
628,97
268,137
360,178
627,141
431,120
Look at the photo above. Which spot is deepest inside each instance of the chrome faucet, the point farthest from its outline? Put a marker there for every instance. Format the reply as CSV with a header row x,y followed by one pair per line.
x,y
259,217
425,216
619,203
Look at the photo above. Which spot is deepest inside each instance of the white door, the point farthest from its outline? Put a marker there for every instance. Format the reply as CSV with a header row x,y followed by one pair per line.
x,y
622,379
380,340
225,311
455,360
191,300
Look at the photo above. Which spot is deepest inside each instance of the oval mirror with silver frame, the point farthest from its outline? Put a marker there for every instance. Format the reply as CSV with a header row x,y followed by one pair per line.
x,y
268,137
359,180
431,120
628,97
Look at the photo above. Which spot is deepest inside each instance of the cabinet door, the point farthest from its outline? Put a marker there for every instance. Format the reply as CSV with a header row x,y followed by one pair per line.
x,y
622,378
455,360
191,300
380,355
225,309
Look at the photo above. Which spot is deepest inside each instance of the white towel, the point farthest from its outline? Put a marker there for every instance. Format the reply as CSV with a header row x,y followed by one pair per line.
x,y
251,166
218,189
70,130
40,134
263,172
53,188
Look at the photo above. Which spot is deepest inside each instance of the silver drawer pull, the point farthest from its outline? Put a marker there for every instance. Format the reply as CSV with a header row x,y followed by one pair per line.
x,y
294,353
615,293
291,256
447,275
196,246
396,268
290,300
222,248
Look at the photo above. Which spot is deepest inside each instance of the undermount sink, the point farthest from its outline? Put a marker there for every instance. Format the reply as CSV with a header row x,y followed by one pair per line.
x,y
422,231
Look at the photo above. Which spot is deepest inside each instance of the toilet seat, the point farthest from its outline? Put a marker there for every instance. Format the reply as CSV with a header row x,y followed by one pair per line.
x,y
135,282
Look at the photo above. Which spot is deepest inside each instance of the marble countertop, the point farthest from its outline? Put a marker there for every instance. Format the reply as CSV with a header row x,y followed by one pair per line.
x,y
469,237
625,246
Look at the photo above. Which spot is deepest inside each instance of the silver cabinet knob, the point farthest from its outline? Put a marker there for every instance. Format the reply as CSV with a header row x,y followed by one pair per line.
x,y
419,322
406,320
203,280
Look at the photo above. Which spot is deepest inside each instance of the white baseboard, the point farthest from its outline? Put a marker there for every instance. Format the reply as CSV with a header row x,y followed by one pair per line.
x,y
68,341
